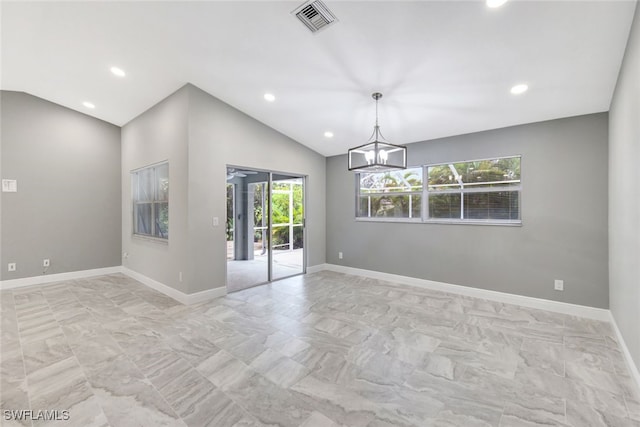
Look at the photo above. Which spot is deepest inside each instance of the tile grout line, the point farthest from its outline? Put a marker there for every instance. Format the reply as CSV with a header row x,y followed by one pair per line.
x,y
194,368
285,332
501,416
256,372
220,388
626,405
148,381
84,373
24,366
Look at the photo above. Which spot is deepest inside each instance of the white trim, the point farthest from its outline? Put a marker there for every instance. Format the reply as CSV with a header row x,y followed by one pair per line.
x,y
207,295
177,295
152,165
457,221
501,222
387,219
633,369
317,268
188,299
538,303
59,277
154,284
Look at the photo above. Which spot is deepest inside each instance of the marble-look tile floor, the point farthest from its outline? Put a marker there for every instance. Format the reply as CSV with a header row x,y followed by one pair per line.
x,y
325,349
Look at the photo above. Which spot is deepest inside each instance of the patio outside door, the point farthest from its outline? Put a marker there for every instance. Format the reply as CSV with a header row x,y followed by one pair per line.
x,y
287,226
265,227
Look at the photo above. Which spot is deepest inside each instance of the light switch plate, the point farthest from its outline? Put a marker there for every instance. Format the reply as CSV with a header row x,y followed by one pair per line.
x,y
9,186
558,285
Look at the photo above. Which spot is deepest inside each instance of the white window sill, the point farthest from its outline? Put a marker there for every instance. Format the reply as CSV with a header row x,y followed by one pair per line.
x,y
383,219
508,223
502,222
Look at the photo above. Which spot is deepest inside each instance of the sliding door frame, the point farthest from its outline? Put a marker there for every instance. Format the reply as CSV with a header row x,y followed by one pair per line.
x,y
269,185
304,224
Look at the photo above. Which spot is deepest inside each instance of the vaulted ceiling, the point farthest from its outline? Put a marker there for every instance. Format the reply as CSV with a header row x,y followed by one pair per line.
x,y
444,67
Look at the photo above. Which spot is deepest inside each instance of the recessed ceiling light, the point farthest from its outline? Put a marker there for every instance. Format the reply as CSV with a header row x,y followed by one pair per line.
x,y
518,89
328,134
88,105
269,97
495,3
118,71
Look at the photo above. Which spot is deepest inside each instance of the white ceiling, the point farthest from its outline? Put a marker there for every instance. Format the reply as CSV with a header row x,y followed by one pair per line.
x,y
445,68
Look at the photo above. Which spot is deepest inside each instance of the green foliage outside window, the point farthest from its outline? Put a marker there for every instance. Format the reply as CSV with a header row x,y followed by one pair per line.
x,y
473,190
280,205
230,216
481,173
392,194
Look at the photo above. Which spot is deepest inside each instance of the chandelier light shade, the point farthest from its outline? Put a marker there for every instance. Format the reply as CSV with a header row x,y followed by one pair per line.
x,y
377,155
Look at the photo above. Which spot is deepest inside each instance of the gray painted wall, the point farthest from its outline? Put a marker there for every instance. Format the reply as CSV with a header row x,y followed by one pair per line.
x,y
220,135
200,135
564,216
67,207
159,134
624,195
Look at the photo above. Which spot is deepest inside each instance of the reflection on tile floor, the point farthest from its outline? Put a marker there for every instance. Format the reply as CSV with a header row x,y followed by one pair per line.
x,y
325,349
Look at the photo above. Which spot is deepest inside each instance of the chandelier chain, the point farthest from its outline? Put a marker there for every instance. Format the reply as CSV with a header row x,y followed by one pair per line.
x,y
376,129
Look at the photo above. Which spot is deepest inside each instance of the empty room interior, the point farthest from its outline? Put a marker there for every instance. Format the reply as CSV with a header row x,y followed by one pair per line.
x,y
320,214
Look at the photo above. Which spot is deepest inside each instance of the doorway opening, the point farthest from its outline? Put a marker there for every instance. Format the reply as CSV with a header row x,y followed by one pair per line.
x,y
265,227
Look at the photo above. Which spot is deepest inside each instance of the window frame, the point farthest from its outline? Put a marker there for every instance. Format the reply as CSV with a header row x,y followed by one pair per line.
x,y
419,193
425,193
153,202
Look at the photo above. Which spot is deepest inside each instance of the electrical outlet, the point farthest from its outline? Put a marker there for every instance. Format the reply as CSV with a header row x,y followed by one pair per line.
x,y
216,221
125,255
340,255
558,285
11,266
46,262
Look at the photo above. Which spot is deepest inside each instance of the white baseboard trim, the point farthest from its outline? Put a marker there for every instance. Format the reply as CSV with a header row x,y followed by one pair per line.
x,y
538,303
633,369
207,295
58,277
177,295
317,268
186,299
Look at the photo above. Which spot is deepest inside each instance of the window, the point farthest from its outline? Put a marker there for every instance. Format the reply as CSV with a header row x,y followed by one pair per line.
x,y
393,194
481,190
150,194
478,191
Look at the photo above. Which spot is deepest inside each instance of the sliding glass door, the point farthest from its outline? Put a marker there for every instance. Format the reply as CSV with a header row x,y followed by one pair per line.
x,y
247,226
287,225
265,227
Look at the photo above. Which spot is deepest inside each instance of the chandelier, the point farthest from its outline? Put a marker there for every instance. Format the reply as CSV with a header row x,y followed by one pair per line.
x,y
377,155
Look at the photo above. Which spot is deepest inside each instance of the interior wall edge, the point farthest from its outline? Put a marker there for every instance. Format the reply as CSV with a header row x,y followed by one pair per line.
x,y
186,299
624,187
633,369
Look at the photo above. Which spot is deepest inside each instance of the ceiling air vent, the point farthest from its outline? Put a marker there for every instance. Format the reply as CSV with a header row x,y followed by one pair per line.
x,y
315,15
